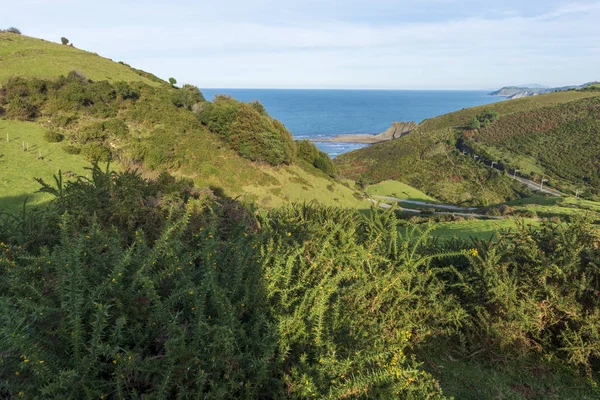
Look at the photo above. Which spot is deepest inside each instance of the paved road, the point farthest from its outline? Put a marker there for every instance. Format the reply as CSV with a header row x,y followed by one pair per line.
x,y
536,187
461,214
425,204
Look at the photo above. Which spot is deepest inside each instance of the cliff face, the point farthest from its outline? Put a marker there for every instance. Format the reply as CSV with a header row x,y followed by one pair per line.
x,y
398,129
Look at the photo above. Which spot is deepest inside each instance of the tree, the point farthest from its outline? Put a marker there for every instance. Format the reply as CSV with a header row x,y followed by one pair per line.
x,y
474,123
12,29
64,40
172,81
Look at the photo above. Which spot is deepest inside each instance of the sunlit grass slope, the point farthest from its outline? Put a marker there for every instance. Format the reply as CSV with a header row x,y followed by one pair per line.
x,y
479,229
160,136
31,57
398,190
18,168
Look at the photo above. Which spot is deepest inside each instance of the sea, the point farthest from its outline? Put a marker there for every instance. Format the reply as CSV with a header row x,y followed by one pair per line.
x,y
320,114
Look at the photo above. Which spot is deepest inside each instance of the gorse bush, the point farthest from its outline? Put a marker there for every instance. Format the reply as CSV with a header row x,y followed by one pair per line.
x,y
129,288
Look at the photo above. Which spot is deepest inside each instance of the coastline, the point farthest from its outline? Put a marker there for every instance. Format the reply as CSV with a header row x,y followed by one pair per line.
x,y
397,130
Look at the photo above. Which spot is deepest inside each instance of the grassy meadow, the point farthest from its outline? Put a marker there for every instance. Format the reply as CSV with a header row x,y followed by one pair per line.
x,y
398,190
478,229
19,168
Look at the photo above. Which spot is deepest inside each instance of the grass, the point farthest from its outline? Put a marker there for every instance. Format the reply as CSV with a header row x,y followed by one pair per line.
x,y
26,56
398,190
480,229
581,203
523,380
18,168
296,184
557,207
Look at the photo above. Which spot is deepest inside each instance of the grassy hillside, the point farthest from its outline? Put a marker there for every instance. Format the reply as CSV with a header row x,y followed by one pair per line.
x,y
398,190
560,142
232,148
19,168
431,157
31,57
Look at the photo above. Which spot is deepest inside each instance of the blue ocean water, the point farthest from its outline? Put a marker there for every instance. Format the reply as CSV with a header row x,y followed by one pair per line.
x,y
319,114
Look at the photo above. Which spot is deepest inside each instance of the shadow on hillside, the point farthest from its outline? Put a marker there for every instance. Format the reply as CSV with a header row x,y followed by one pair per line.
x,y
15,204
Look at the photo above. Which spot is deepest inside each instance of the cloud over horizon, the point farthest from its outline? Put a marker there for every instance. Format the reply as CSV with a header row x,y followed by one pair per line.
x,y
383,44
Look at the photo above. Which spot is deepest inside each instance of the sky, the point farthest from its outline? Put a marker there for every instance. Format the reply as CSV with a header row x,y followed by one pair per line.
x,y
341,44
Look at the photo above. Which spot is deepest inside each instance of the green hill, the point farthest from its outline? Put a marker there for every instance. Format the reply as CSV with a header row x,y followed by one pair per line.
x,y
431,158
99,109
31,57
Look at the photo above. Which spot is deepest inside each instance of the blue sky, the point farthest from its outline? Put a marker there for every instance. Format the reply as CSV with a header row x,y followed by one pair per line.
x,y
377,44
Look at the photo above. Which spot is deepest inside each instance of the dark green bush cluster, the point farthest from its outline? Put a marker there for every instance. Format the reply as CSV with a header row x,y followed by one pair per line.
x,y
128,288
308,152
12,29
485,119
249,130
52,136
187,96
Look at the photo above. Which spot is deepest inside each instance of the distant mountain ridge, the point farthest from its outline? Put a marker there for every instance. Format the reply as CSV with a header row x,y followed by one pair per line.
x,y
516,92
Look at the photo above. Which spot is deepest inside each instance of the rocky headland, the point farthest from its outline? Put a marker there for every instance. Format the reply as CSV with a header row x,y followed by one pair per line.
x,y
398,129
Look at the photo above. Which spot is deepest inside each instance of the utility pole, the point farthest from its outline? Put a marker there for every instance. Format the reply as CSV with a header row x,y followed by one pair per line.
x,y
515,173
542,183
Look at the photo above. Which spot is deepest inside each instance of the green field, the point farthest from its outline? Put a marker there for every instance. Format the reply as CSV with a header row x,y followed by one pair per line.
x,y
26,56
479,229
398,190
18,168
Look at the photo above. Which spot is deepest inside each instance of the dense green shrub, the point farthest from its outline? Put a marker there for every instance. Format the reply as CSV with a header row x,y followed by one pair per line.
x,y
14,30
96,152
91,132
307,151
145,289
21,108
64,41
253,134
115,127
187,96
53,136
70,149
126,91
484,119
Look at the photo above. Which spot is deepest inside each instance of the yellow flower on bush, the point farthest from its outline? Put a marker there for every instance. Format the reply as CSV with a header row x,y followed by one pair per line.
x,y
474,252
